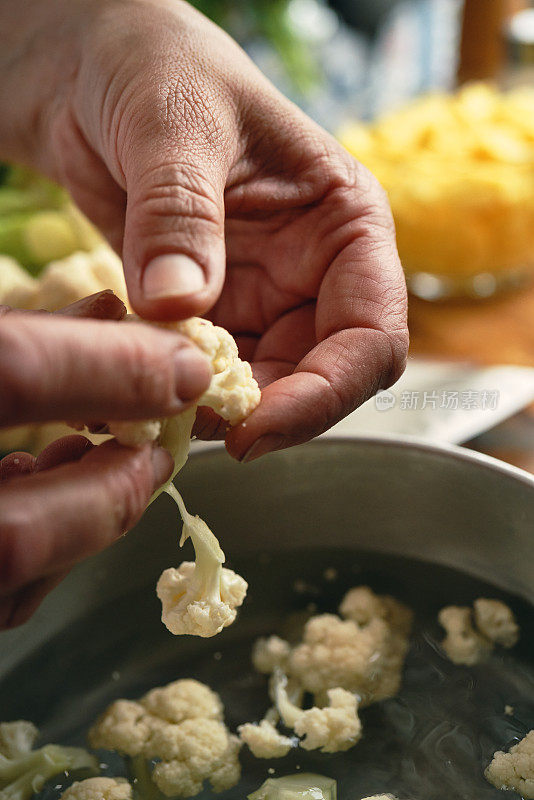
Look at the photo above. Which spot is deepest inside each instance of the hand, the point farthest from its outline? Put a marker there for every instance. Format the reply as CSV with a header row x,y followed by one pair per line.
x,y
222,197
75,498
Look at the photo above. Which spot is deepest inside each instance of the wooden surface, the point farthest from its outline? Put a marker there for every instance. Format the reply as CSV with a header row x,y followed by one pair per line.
x,y
493,331
496,331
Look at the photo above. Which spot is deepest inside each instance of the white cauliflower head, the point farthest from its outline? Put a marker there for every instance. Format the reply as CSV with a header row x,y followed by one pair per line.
x,y
180,724
199,598
16,284
462,643
515,769
70,279
233,392
99,789
362,605
364,659
17,737
183,699
270,653
264,741
380,797
193,752
496,621
331,729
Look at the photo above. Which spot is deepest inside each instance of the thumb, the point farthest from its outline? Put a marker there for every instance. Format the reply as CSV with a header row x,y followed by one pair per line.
x,y
173,250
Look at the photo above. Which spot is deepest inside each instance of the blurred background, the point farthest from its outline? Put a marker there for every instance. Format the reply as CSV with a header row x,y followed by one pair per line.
x,y
436,97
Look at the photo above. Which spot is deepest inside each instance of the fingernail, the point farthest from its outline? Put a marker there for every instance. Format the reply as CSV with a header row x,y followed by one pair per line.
x,y
265,444
192,373
162,464
173,275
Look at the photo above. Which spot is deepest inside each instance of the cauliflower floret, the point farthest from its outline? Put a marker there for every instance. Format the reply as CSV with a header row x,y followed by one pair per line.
x,y
263,740
69,279
125,726
15,283
99,789
195,751
214,341
462,644
17,738
269,653
515,769
23,771
380,797
334,728
232,394
362,605
135,434
181,724
496,621
183,699
366,659
199,598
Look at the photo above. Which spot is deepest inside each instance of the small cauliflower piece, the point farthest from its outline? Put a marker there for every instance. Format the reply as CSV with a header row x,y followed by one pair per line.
x,y
216,342
233,394
362,605
380,797
335,653
124,727
183,699
199,598
193,752
515,769
15,283
496,621
17,737
331,729
263,740
182,725
342,662
269,653
135,434
99,789
462,643
70,279
24,772
301,786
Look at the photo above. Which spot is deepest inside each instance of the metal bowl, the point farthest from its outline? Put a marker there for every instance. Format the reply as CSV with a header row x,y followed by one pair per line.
x,y
394,495
354,504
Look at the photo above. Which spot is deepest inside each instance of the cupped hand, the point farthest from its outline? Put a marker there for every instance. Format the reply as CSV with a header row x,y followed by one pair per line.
x,y
224,200
76,498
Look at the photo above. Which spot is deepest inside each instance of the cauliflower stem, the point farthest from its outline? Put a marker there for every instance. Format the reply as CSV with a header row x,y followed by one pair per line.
x,y
23,776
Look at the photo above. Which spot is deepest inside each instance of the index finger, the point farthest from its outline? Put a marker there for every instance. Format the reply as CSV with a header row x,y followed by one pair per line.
x,y
55,368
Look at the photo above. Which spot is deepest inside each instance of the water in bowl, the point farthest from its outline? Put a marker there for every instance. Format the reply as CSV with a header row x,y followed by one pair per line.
x,y
431,742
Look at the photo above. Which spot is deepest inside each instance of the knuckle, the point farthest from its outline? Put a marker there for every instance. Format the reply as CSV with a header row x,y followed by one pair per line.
x,y
184,188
